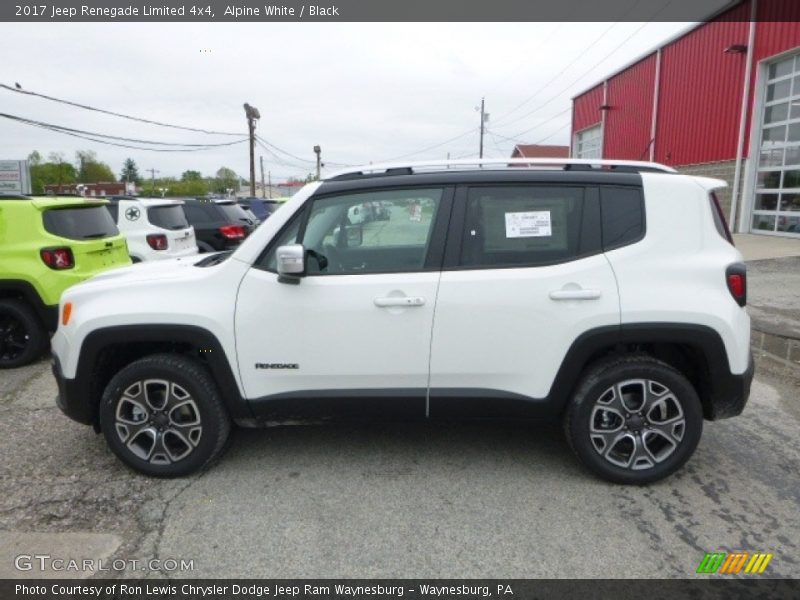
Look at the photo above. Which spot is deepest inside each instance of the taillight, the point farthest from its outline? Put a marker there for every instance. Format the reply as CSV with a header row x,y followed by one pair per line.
x,y
736,277
232,232
157,241
57,258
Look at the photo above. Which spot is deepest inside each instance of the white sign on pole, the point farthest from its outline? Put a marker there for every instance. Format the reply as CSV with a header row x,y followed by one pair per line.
x,y
15,177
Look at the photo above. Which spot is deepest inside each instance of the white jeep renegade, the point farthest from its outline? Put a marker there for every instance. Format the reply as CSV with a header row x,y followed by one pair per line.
x,y
606,294
154,228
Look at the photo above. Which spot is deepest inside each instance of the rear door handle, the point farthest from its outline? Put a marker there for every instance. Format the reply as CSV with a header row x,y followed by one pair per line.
x,y
400,301
575,294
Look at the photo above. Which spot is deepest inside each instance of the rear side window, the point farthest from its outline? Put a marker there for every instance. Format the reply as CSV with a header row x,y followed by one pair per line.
x,y
719,219
167,217
529,225
113,210
622,212
80,223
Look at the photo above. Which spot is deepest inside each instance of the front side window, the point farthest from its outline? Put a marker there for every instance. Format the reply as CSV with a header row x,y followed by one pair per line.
x,y
528,226
369,232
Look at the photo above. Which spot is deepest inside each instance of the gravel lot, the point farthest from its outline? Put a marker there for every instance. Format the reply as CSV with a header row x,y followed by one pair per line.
x,y
399,499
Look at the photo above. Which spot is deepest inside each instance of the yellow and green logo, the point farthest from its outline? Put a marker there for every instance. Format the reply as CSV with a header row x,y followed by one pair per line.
x,y
735,562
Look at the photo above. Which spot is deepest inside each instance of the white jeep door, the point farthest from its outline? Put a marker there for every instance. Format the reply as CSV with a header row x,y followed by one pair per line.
x,y
355,331
526,278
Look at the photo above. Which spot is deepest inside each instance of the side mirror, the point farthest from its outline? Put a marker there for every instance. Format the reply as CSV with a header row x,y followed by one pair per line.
x,y
355,235
291,262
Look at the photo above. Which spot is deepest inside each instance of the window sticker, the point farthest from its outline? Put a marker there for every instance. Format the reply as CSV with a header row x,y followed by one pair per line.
x,y
529,224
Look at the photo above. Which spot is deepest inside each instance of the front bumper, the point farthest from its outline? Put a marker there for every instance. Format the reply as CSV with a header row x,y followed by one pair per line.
x,y
72,401
731,393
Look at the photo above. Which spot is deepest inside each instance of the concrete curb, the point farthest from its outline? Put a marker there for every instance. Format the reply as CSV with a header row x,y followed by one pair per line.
x,y
783,349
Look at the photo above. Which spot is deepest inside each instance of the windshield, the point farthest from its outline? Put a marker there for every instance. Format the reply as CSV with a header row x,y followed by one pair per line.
x,y
80,222
167,217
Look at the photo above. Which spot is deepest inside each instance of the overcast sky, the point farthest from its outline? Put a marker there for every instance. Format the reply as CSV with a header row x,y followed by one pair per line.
x,y
364,92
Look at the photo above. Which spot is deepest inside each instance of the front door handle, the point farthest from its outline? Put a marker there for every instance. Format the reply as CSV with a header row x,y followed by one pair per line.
x,y
574,294
400,301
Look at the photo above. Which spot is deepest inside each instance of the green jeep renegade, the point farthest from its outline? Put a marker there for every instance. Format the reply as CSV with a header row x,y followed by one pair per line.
x,y
46,245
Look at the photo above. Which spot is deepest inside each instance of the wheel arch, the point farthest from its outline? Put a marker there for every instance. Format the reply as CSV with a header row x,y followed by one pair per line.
x,y
696,351
23,290
105,351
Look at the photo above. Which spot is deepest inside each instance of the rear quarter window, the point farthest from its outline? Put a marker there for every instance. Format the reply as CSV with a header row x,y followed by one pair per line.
x,y
622,215
720,223
113,210
167,217
80,223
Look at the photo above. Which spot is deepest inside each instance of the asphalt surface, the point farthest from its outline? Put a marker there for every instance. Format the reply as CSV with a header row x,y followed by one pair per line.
x,y
398,499
774,295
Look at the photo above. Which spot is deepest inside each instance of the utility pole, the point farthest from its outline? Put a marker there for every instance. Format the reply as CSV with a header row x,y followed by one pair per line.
x,y
269,183
153,180
483,120
318,151
263,191
252,114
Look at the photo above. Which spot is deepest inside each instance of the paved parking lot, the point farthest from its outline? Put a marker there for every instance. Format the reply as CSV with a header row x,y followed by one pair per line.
x,y
400,499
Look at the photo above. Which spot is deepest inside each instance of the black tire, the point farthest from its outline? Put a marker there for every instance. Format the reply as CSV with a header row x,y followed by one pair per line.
x,y
137,442
665,436
23,338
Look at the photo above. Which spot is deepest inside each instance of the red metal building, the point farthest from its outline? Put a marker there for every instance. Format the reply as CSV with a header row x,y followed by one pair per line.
x,y
721,99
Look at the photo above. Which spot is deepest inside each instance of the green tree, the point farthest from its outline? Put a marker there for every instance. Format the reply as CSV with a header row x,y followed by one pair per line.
x,y
191,176
53,172
34,158
90,169
225,180
130,172
95,172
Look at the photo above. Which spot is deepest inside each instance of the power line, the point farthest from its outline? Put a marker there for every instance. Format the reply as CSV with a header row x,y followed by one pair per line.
x,y
458,137
516,137
595,65
277,159
112,113
523,62
564,69
89,137
558,75
64,129
286,152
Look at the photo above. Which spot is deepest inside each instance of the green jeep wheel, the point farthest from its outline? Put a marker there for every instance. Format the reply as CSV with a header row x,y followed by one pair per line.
x,y
22,336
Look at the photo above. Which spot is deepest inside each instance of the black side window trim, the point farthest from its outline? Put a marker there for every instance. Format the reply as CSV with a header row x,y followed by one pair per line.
x,y
630,242
452,261
436,246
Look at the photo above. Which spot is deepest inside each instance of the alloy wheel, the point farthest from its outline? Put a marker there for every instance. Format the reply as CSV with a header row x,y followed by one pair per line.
x,y
637,423
158,421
